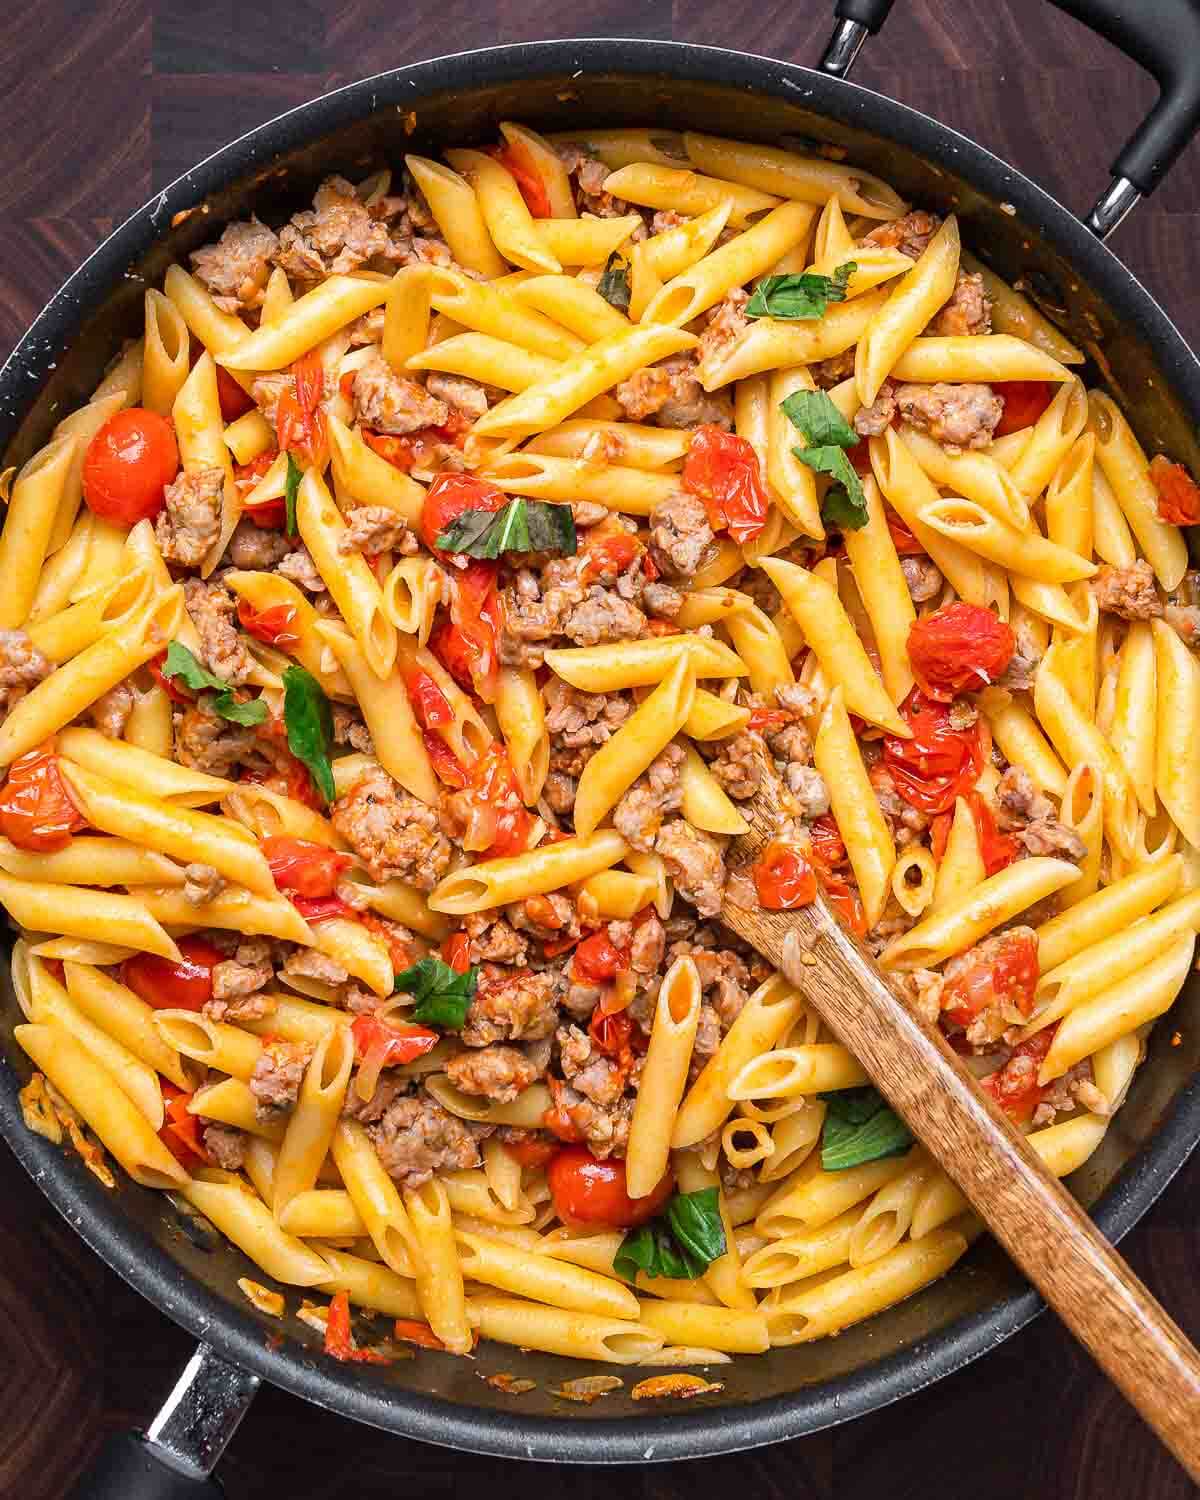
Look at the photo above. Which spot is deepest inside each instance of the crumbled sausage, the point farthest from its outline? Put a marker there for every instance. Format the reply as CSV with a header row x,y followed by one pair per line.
x,y
680,537
460,394
247,971
255,547
226,1144
337,234
960,416
727,322
923,578
738,764
308,963
1128,592
278,1074
871,421
394,834
206,742
372,529
212,611
517,1008
808,787
603,616
910,234
111,711
236,268
696,864
588,1070
493,940
496,1072
191,521
671,394
638,816
22,666
349,729
298,566
968,310
387,402
414,1137
202,883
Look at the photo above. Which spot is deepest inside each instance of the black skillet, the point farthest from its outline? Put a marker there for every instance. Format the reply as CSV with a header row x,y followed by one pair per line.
x,y
1019,230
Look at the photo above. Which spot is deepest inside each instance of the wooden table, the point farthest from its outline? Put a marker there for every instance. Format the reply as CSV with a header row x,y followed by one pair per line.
x,y
104,104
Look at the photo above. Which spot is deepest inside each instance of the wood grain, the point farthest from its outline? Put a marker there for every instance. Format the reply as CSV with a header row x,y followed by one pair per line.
x,y
1089,1285
104,104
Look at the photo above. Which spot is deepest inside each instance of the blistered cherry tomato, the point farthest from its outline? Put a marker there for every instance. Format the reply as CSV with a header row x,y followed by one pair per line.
x,y
598,960
397,1044
960,648
127,466
783,878
1178,493
1001,970
588,1191
302,867
1015,1086
1024,402
36,811
723,469
235,402
429,703
448,497
167,985
519,164
275,625
939,762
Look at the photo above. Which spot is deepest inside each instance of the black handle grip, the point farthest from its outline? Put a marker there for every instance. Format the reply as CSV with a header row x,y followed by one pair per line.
x,y
128,1468
1164,37
869,13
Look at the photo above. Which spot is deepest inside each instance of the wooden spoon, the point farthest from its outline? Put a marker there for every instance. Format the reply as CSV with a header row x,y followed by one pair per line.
x,y
1037,1221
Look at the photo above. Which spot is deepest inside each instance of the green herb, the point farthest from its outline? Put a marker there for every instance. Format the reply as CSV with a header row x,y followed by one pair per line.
x,y
681,1244
294,475
309,723
194,675
845,505
443,995
613,285
521,526
818,420
859,1128
799,296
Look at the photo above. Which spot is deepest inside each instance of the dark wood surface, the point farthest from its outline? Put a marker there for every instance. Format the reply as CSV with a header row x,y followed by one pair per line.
x,y
103,103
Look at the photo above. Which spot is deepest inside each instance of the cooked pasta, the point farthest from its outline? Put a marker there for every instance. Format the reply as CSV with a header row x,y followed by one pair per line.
x,y
486,541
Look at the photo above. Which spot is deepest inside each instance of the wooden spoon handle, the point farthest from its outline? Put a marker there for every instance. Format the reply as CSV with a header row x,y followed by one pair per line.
x,y
1036,1220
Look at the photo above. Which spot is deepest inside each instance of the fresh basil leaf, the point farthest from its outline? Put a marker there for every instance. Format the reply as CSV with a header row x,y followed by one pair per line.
x,y
309,723
521,526
680,1244
818,420
860,1128
845,502
799,296
443,995
195,675
613,285
294,475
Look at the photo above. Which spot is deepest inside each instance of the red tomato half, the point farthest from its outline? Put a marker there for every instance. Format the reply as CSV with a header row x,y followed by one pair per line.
x,y
397,1044
588,1191
456,951
531,1152
303,868
181,1131
321,908
494,791
783,878
446,765
1178,493
938,763
1024,402
959,649
520,166
36,811
610,556
468,646
828,850
274,625
127,466
902,538
429,703
167,985
598,960
845,904
235,402
1015,1086
299,421
1003,969
448,497
995,848
723,470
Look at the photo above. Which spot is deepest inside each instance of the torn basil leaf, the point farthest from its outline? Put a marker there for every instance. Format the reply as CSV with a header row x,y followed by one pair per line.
x,y
196,677
818,421
681,1244
845,505
294,475
443,995
309,723
521,526
613,285
806,295
860,1127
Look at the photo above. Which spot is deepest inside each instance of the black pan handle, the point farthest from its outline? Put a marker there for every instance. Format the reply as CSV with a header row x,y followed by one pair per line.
x,y
175,1458
1162,35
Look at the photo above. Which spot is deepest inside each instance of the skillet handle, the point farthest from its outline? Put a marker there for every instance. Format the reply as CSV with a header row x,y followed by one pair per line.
x,y
1162,35
128,1468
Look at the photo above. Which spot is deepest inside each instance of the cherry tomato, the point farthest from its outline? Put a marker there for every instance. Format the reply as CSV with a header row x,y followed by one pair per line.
x,y
429,704
960,648
860,456
469,647
1178,493
273,624
723,470
519,164
939,763
588,1191
448,497
783,878
235,402
494,792
845,904
36,811
268,515
612,1032
1024,402
1001,969
456,951
996,849
902,538
299,421
180,1133
414,1331
1015,1086
532,1151
598,960
302,867
446,765
397,1044
339,1341
769,718
609,556
167,985
127,466
828,849
321,908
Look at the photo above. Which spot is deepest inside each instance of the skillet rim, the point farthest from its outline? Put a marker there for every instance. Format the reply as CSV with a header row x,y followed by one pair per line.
x,y
144,1265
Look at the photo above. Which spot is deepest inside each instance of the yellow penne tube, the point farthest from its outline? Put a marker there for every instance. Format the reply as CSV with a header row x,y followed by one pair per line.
x,y
348,577
1107,912
406,314
706,804
1077,739
61,636
33,505
574,306
1069,496
199,430
912,882
584,242
908,489
249,436
869,844
789,1071
509,222
467,735
368,1284
816,608
81,426
325,1213
884,592
128,1019
773,344
456,210
63,695
794,484
643,663
439,1279
490,360
1177,697
81,951
616,894
165,354
88,1088
88,861
269,591
1023,552
814,1197
1016,731
556,1330
376,1198
973,915
1123,464
713,718
312,1122
732,1330
637,492
973,475
513,318
1112,537
357,950
760,644
617,764
887,1217
543,1279
629,443
62,572
860,1293
297,1020
244,1218
309,321
795,1137
1132,733
269,814
651,185
1119,1009
766,1016
580,379
405,904
124,375
983,357
539,153
738,261
235,909
75,911
724,1274
495,882
664,1077
412,592
216,1044
1053,434
359,471
230,1102
784,1261
1015,314
909,307
811,179
521,715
